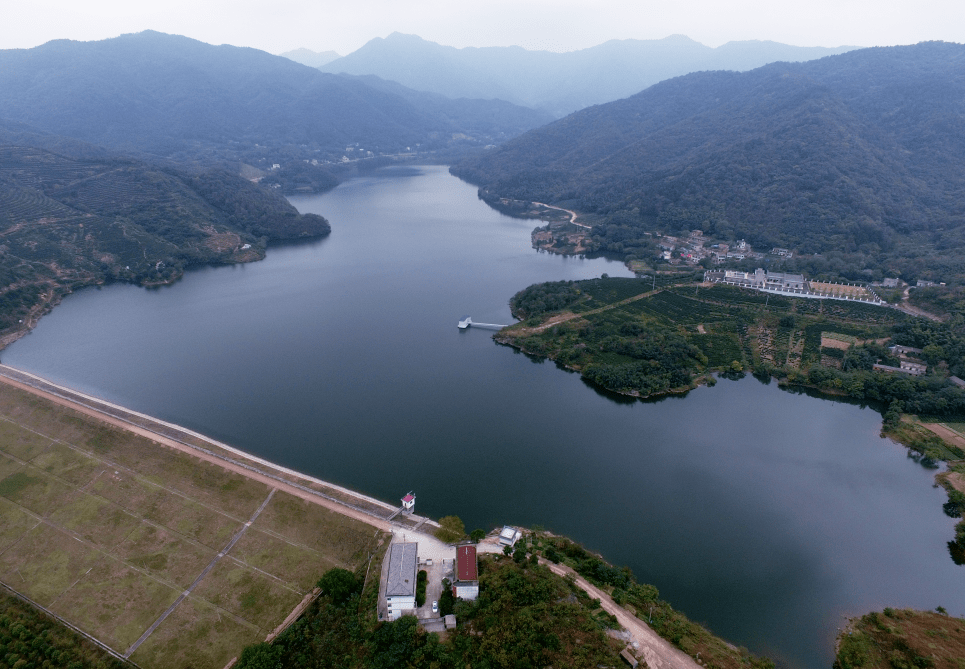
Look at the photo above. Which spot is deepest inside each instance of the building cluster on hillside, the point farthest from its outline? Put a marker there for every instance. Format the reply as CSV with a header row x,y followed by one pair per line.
x,y
696,247
909,361
459,564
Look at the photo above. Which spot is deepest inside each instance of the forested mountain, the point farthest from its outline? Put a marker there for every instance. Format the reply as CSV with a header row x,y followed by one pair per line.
x,y
855,156
177,97
559,83
85,216
479,117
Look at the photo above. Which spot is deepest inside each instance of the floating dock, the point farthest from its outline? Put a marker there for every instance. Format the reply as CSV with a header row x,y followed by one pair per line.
x,y
466,322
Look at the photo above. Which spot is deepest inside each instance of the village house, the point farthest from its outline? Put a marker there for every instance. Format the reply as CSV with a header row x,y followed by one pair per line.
x,y
905,350
913,368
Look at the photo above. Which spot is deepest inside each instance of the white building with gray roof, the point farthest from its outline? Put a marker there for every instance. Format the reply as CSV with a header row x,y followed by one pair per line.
x,y
400,581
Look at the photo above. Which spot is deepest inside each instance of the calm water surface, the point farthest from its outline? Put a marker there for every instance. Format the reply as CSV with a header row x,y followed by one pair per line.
x,y
768,516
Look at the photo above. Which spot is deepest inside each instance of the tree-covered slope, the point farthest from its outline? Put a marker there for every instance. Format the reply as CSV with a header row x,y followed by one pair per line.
x,y
857,153
175,96
88,217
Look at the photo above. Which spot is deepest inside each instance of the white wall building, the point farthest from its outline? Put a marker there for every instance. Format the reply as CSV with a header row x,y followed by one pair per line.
x,y
509,536
401,579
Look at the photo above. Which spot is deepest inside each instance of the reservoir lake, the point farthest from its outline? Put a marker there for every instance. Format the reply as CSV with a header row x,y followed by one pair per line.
x,y
767,515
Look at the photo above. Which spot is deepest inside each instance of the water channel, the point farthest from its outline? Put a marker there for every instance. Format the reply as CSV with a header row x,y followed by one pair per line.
x,y
767,515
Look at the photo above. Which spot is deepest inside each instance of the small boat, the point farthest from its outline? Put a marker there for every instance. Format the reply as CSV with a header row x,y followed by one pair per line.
x,y
465,322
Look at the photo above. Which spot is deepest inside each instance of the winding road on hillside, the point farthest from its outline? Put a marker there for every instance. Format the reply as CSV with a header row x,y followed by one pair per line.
x,y
573,214
657,651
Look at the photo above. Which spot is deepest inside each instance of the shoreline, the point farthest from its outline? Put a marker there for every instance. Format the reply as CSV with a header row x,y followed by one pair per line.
x,y
337,498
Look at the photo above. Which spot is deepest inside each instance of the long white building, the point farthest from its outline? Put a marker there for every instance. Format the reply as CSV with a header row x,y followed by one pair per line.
x,y
400,581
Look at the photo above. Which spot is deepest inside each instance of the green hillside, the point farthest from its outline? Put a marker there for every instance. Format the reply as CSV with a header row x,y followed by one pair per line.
x,y
68,222
855,157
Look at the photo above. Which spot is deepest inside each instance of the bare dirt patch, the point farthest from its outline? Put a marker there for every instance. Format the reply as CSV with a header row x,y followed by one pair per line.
x,y
828,342
221,242
946,433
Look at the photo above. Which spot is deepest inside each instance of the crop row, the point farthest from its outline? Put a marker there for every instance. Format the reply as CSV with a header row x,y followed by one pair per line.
x,y
20,204
677,308
116,192
743,296
720,349
608,291
861,312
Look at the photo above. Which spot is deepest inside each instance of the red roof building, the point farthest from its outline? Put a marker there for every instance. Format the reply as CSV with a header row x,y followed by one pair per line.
x,y
467,573
466,568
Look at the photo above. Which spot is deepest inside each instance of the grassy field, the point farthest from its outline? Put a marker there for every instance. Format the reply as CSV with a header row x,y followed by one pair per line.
x,y
106,529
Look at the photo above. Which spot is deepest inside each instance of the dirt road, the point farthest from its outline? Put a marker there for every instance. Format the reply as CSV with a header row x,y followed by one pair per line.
x,y
945,433
573,214
657,651
906,306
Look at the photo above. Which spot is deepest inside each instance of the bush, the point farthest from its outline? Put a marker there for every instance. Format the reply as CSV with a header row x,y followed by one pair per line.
x,y
260,656
420,589
338,584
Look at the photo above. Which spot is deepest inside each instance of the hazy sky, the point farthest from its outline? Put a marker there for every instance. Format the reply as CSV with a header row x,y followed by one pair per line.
x,y
558,25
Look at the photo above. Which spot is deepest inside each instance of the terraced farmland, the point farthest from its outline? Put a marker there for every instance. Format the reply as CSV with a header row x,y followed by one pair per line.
x,y
20,205
672,307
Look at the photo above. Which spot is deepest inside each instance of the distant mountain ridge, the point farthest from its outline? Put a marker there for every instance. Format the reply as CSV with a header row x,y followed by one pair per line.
x,y
856,157
177,97
559,83
311,58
